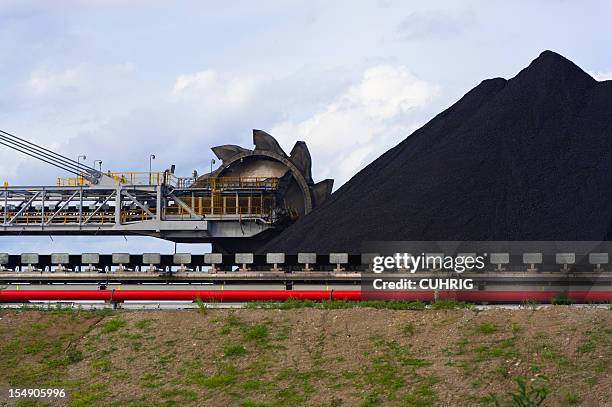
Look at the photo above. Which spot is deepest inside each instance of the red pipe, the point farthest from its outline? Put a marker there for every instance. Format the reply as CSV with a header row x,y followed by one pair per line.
x,y
165,295
316,295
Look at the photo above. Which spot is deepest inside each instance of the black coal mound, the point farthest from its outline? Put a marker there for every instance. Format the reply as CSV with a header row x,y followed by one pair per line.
x,y
528,158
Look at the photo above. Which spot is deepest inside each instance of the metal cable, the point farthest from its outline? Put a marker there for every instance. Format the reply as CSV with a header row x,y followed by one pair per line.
x,y
46,152
36,154
55,164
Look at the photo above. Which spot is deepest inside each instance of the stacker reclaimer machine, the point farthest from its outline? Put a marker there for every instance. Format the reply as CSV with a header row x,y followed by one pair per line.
x,y
252,195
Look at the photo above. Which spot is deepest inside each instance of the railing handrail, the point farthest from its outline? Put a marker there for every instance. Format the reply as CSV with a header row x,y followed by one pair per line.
x,y
129,177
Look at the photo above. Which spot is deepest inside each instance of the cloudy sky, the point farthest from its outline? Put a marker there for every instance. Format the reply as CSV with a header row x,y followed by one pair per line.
x,y
118,80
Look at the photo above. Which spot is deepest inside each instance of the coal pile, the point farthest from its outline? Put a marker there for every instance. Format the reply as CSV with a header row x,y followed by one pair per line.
x,y
528,158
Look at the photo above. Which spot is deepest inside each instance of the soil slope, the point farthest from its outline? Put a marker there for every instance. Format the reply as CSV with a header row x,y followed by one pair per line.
x,y
308,357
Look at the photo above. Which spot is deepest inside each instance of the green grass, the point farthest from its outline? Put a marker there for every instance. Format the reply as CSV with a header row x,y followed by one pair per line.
x,y
562,299
65,309
571,398
225,376
185,394
293,395
451,304
252,403
113,325
487,328
252,384
71,356
293,303
559,359
371,399
408,329
234,321
87,396
461,346
212,382
530,393
503,348
201,305
36,346
387,375
38,356
145,325
587,347
234,350
102,364
424,395
149,381
256,333
417,362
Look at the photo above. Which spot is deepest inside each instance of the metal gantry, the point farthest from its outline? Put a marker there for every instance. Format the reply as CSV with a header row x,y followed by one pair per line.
x,y
216,208
79,208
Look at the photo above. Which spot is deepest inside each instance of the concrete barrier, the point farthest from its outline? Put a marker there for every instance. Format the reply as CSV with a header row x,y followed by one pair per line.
x,y
338,259
60,260
213,259
152,260
182,260
307,259
4,260
598,259
121,260
91,260
565,259
367,260
500,260
30,260
275,259
244,259
532,259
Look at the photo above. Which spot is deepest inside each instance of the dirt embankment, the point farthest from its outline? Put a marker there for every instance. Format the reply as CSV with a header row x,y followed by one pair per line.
x,y
316,357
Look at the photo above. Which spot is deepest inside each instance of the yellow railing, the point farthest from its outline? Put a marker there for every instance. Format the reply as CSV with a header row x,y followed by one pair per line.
x,y
157,178
102,217
71,182
222,183
129,178
221,206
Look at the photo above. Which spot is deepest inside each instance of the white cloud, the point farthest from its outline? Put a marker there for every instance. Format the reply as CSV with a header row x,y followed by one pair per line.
x,y
78,81
435,24
601,75
43,82
208,87
361,123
